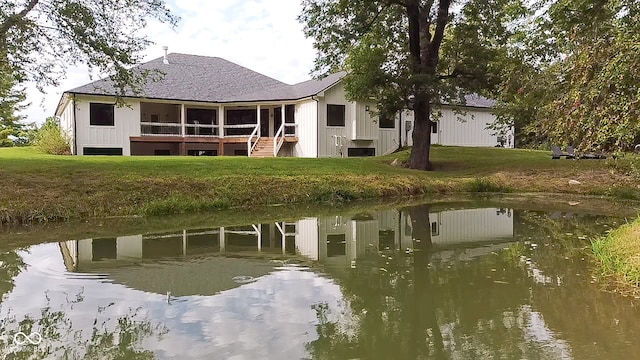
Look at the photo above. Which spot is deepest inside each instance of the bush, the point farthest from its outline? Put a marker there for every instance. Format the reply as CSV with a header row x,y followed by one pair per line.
x,y
52,140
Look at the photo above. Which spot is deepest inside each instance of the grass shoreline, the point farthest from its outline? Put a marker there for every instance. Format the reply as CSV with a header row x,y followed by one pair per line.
x,y
41,188
618,257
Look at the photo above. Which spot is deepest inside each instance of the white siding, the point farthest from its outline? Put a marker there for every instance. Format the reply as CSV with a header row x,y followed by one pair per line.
x,y
306,117
66,121
361,128
126,124
327,134
307,238
85,251
470,225
365,123
129,247
462,129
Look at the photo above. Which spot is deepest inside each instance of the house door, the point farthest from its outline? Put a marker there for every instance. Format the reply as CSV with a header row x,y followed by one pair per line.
x,y
264,122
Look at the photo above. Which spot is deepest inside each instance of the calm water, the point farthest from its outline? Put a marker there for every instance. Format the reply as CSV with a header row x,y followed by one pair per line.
x,y
423,282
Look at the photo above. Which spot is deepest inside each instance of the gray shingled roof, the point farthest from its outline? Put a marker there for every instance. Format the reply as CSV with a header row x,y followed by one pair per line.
x,y
212,79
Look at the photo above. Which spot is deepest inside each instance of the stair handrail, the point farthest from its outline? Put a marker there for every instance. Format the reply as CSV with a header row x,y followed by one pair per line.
x,y
250,145
278,140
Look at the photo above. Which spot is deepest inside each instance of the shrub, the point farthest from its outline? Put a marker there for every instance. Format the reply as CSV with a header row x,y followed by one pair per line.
x,y
52,140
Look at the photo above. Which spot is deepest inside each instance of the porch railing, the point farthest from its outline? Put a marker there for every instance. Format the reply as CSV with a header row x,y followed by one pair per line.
x,y
200,130
251,144
160,129
284,131
241,130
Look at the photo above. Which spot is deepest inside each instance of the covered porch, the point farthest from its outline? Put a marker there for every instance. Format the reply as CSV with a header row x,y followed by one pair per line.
x,y
222,129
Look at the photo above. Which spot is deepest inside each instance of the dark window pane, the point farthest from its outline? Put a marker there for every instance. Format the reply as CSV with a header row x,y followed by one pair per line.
x,y
101,151
202,152
361,152
336,245
387,122
104,249
162,152
101,114
434,127
335,115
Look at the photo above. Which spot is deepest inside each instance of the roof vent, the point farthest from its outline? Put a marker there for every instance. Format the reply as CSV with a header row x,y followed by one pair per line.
x,y
165,60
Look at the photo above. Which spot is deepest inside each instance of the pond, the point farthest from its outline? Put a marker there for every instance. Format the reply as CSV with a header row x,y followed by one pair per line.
x,y
430,281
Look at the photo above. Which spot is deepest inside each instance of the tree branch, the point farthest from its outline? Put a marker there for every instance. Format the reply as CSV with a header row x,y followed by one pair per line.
x,y
441,22
13,19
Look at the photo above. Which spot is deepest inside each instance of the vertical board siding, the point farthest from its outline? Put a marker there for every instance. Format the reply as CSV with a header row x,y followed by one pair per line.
x,y
326,140
305,116
66,122
471,131
126,124
129,247
471,225
307,238
365,123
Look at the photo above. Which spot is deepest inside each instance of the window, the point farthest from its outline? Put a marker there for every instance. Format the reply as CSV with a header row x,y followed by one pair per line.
x,y
335,115
352,152
336,245
202,152
162,152
101,151
386,122
434,127
104,249
101,114
435,231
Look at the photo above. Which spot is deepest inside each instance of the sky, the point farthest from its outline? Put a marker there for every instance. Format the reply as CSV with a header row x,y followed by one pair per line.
x,y
262,35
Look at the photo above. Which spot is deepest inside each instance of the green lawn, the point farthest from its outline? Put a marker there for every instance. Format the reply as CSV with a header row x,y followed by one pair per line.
x,y
39,187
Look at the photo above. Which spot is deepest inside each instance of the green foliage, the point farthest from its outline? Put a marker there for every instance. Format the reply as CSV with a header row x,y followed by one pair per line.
x,y
39,40
577,84
51,139
617,253
482,185
412,54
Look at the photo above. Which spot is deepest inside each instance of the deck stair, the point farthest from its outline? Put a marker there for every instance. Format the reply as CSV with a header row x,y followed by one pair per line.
x,y
264,147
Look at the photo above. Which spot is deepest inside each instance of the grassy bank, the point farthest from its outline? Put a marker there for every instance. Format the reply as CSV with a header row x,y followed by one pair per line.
x,y
619,255
35,187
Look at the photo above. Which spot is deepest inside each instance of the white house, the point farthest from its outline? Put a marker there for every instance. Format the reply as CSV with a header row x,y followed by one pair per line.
x,y
336,241
210,106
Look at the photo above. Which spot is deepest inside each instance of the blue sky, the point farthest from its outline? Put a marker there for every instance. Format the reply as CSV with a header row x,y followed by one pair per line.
x,y
262,35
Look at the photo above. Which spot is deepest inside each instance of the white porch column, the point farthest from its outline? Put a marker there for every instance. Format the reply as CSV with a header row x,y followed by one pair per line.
x,y
282,118
183,118
221,120
258,117
259,228
184,242
222,240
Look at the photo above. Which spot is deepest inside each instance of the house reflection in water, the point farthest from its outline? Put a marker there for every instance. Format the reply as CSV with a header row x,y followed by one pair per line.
x,y
336,241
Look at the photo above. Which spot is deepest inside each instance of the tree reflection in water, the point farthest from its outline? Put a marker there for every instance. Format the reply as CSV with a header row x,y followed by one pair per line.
x,y
108,338
521,301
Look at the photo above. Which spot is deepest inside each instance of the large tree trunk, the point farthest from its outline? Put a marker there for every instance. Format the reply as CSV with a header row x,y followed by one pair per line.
x,y
419,158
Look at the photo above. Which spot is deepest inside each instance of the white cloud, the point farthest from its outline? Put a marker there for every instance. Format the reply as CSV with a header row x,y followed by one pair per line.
x,y
261,35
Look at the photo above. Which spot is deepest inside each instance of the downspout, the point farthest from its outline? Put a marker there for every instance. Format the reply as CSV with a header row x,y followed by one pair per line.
x,y
400,130
75,126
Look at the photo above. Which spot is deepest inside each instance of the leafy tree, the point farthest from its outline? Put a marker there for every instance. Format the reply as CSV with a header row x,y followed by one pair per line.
x,y
11,101
51,139
412,54
577,83
40,39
